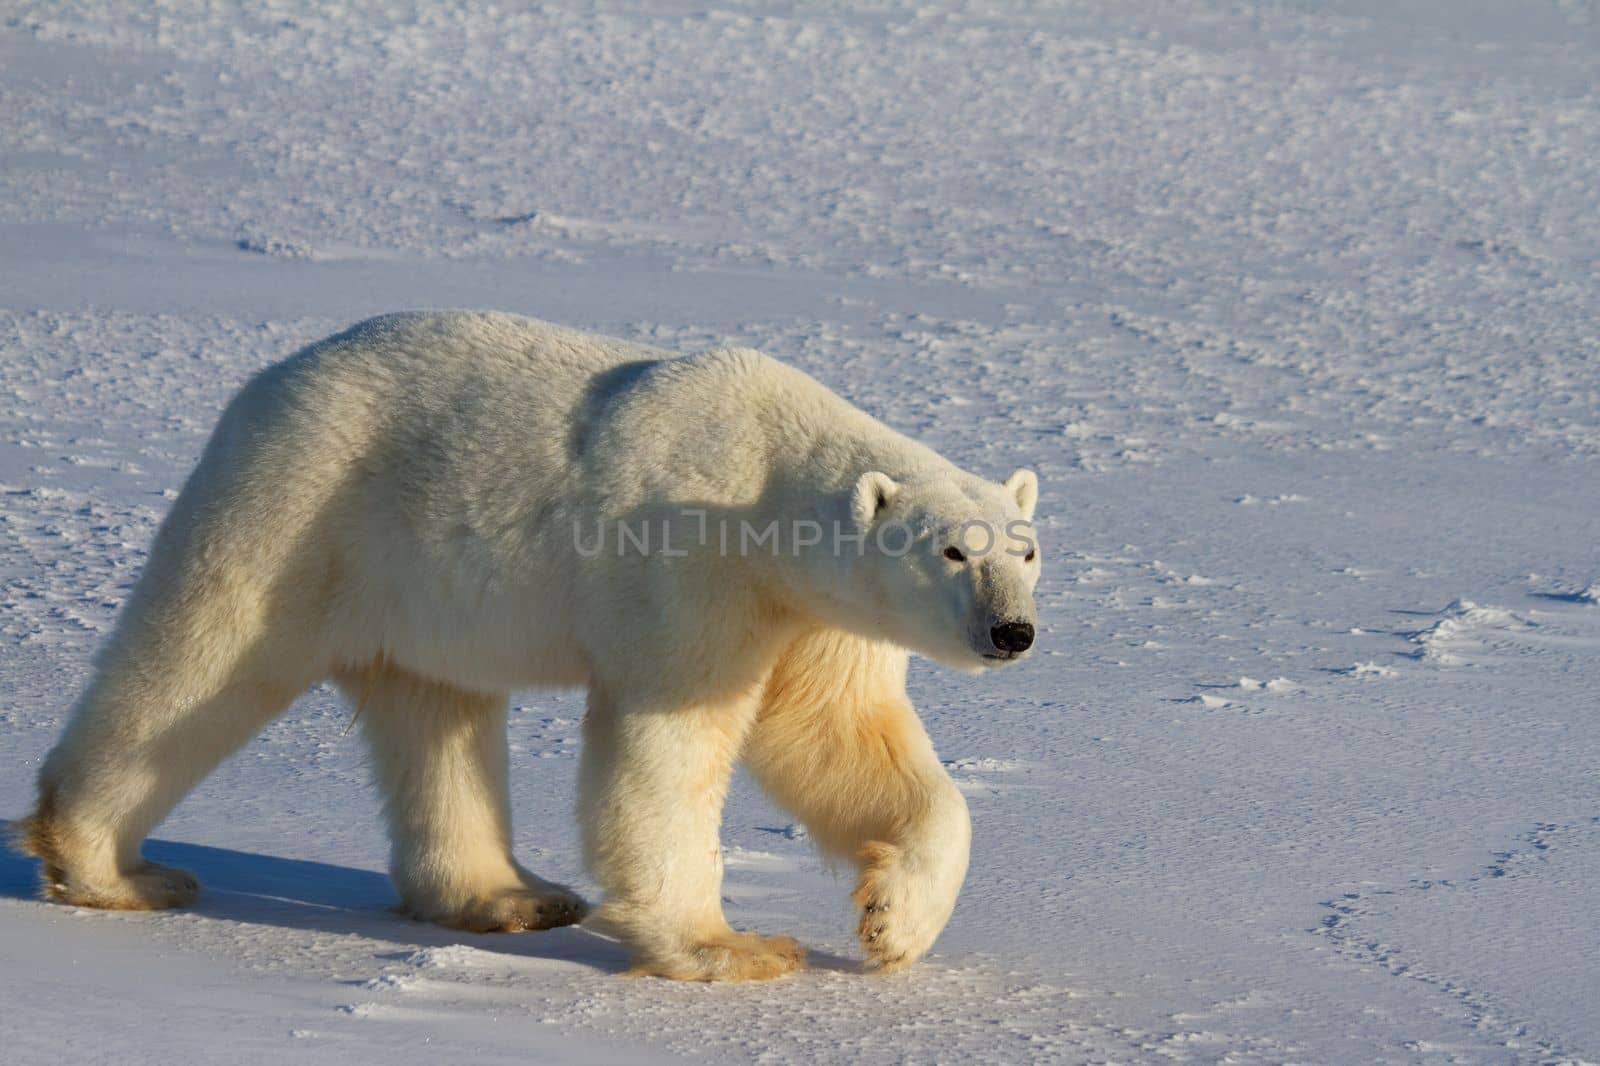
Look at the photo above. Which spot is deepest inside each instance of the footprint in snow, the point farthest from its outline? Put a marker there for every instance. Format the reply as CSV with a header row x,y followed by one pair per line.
x,y
1464,627
964,772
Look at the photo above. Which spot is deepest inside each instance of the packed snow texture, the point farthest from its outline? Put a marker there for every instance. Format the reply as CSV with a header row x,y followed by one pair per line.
x,y
1291,305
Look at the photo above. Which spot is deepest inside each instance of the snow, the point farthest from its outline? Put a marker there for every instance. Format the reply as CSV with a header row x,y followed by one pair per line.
x,y
1292,306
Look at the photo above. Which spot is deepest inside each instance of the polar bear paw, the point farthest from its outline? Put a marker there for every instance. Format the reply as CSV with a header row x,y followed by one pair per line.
x,y
149,887
516,910
159,887
903,906
734,956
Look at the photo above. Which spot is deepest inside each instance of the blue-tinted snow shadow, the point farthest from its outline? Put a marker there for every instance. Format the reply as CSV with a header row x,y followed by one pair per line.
x,y
241,886
1583,597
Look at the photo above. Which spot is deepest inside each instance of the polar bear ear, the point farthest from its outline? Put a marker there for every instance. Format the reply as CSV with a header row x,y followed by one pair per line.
x,y
873,492
1024,488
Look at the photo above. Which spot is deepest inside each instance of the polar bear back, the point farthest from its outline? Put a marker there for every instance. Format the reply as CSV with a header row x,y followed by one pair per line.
x,y
418,480
473,401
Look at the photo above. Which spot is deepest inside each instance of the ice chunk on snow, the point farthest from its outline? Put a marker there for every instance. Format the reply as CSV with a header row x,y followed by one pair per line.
x,y
1277,685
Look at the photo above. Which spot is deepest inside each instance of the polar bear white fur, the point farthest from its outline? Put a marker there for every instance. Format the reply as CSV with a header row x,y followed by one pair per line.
x,y
413,507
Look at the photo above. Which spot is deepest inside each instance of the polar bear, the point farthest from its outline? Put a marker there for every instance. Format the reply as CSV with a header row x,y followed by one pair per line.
x,y
435,508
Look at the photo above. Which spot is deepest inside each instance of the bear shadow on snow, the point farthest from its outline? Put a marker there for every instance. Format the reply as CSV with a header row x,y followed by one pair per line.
x,y
246,887
241,886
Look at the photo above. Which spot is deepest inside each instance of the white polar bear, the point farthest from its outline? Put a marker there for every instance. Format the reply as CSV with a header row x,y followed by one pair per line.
x,y
435,508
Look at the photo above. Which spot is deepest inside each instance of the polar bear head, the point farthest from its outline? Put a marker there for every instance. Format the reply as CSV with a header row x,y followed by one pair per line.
x,y
947,565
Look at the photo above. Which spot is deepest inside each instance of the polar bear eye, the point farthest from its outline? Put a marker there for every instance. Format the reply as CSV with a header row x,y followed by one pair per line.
x,y
1029,557
954,554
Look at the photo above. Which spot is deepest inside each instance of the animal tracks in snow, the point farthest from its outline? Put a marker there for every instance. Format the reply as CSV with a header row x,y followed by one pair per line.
x,y
1357,924
987,776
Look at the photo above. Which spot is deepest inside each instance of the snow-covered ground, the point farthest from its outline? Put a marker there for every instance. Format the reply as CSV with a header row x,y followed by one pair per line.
x,y
1293,305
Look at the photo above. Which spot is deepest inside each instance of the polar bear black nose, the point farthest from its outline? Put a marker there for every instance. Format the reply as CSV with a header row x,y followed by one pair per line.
x,y
1013,637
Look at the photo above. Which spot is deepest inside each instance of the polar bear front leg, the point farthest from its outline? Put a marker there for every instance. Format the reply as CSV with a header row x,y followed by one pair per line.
x,y
652,783
439,754
908,889
838,743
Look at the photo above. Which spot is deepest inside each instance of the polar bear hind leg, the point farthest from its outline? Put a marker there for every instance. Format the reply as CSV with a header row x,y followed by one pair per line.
x,y
159,715
439,754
